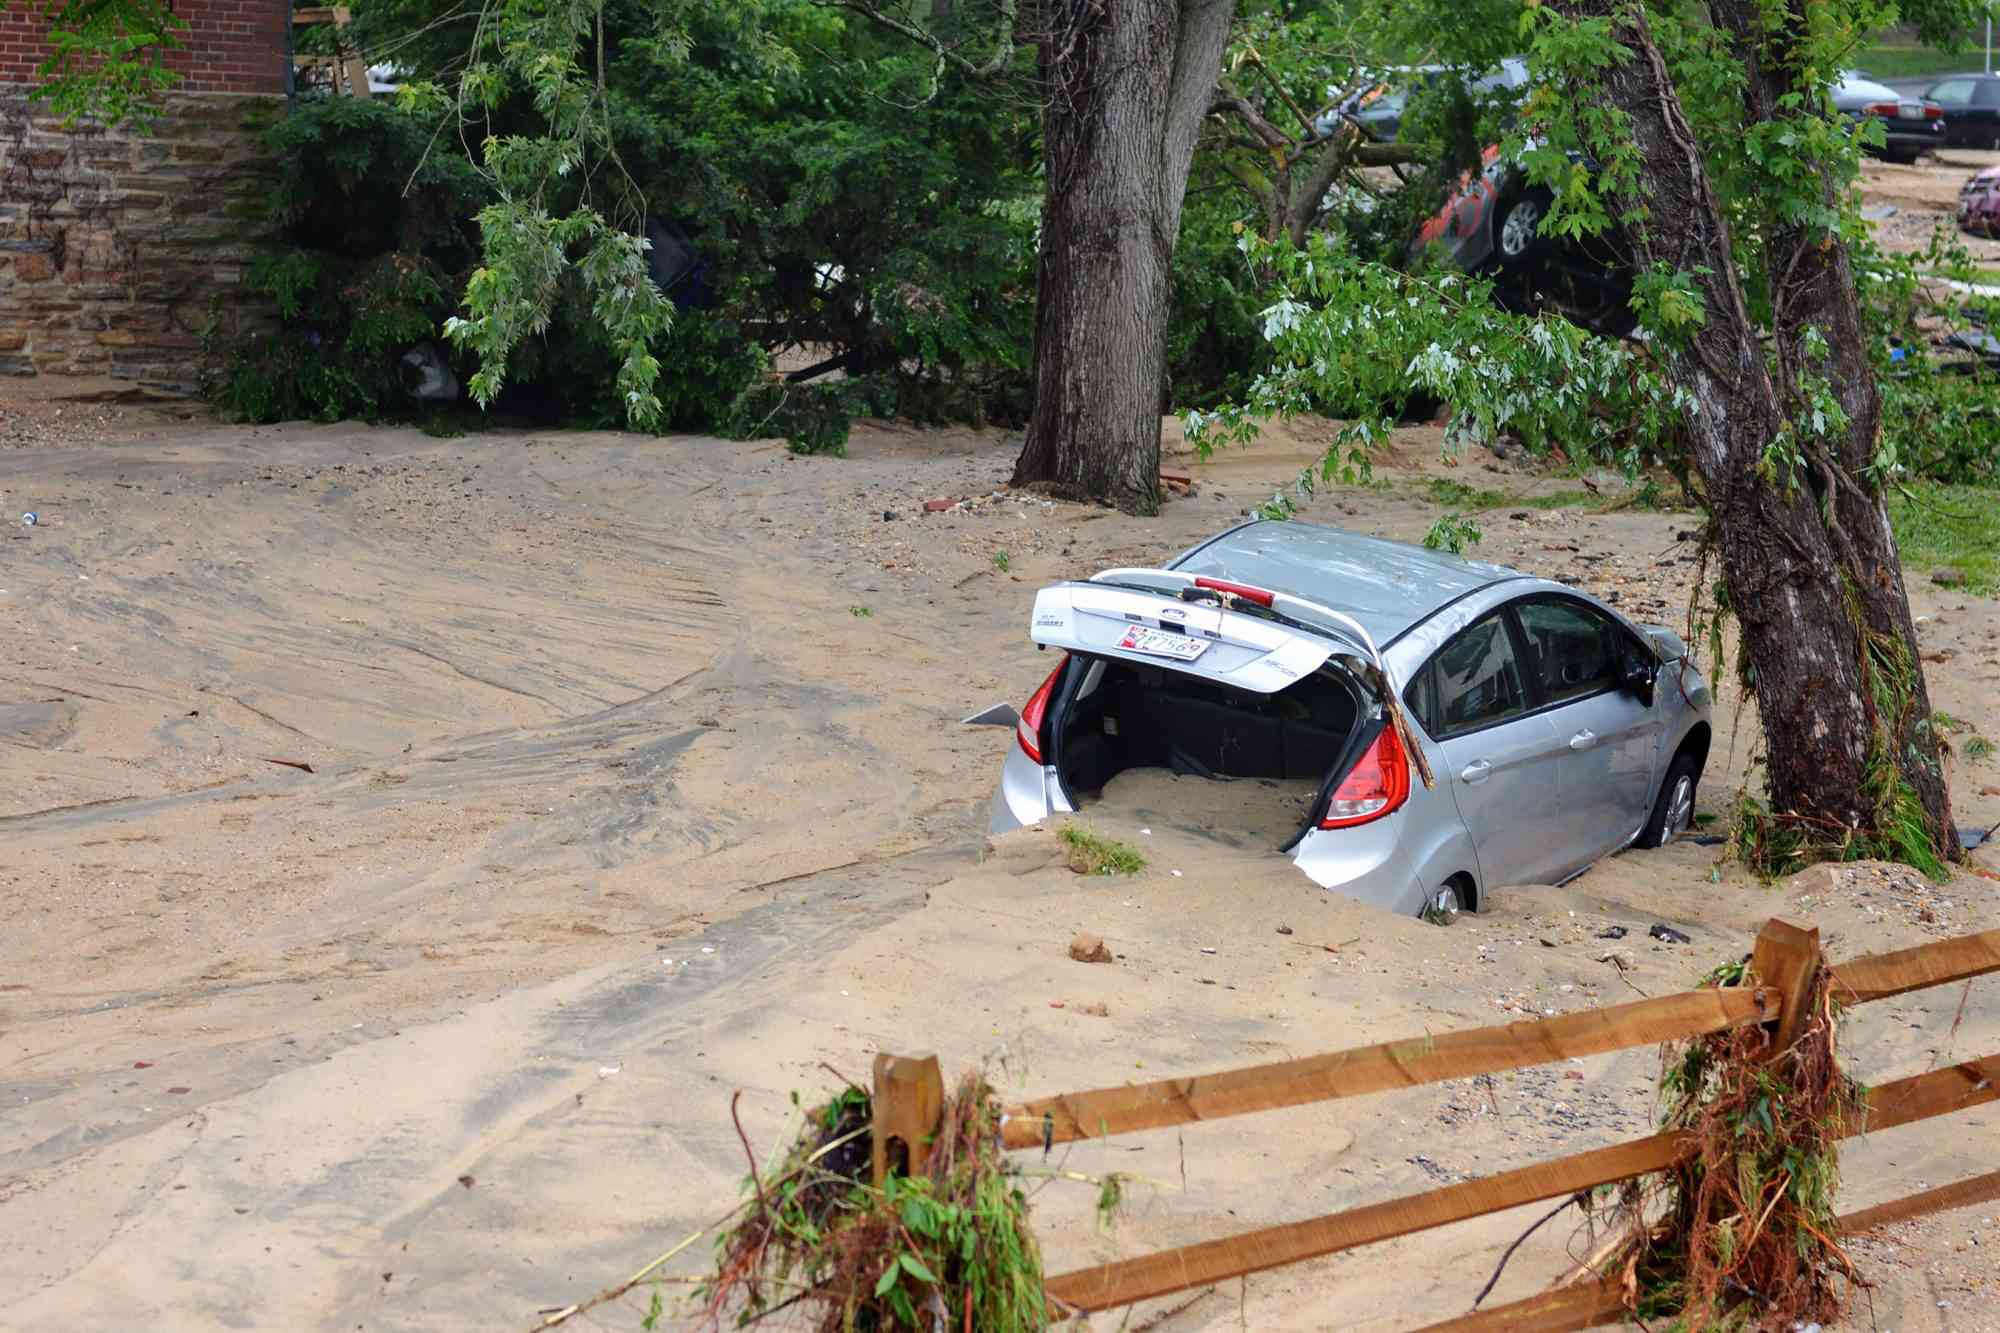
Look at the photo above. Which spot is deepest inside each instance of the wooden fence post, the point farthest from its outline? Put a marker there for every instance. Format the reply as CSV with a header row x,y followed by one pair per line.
x,y
1787,962
907,1105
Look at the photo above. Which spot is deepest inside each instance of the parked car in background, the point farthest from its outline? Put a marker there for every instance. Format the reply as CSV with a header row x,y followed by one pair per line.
x,y
1378,109
1453,726
1911,126
1979,203
1971,107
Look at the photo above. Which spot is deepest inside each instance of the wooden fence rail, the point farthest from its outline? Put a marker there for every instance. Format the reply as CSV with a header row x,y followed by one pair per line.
x,y
909,1090
1595,1303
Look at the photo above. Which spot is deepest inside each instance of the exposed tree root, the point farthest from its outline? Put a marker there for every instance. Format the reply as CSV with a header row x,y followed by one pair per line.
x,y
1742,1235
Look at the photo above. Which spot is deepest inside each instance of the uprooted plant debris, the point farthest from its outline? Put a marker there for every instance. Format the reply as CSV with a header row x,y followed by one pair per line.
x,y
947,1248
1742,1232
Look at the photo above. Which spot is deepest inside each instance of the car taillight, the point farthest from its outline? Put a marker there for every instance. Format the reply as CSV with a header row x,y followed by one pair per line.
x,y
1933,113
1880,109
1028,731
1378,785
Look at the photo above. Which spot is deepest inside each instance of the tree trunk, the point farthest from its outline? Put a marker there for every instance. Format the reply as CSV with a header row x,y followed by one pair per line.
x,y
1126,85
1812,288
1784,568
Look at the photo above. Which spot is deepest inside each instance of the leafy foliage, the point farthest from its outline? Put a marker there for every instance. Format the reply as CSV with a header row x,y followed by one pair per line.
x,y
105,60
372,240
948,1247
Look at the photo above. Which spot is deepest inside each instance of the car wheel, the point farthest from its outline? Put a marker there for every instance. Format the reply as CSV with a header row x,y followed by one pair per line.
x,y
1903,157
1674,810
1514,233
1445,906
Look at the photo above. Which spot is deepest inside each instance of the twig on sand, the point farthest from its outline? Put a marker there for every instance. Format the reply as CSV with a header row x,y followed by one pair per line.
x,y
1578,1198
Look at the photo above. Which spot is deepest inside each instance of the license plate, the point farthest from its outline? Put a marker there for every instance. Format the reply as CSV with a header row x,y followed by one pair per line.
x,y
1910,111
1163,643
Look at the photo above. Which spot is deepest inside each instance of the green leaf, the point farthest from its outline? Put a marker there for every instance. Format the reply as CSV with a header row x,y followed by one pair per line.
x,y
915,1268
888,1279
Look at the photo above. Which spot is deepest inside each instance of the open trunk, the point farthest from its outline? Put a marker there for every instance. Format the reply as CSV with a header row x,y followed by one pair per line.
x,y
1288,746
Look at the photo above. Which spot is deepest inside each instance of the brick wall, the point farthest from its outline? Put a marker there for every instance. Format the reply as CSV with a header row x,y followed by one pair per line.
x,y
230,46
117,251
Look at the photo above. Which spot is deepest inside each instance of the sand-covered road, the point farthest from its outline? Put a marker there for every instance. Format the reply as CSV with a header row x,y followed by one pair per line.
x,y
635,780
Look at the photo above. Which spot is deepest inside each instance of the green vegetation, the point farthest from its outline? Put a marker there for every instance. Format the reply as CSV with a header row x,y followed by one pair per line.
x,y
1886,61
1950,527
945,1247
1458,495
1454,533
1091,854
1001,562
1978,749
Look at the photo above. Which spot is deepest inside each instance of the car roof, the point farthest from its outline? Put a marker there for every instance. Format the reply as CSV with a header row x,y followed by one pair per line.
x,y
1387,586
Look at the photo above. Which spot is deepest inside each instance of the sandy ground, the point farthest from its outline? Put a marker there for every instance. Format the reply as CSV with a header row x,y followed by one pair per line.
x,y
1924,197
635,779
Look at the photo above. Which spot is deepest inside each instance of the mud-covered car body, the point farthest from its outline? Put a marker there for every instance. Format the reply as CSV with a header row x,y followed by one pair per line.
x,y
1467,725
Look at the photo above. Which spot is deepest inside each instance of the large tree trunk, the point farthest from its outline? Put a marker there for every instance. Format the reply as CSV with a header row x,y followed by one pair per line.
x,y
1812,288
1125,86
1788,573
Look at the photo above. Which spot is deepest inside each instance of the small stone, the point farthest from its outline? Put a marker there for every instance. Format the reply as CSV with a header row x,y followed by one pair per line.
x,y
1088,948
938,505
1096,1010
888,516
1284,930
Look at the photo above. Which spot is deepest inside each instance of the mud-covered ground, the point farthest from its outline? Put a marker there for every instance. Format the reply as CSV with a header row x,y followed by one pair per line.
x,y
636,779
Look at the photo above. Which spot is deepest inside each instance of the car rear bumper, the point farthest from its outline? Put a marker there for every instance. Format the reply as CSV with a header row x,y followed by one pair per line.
x,y
1898,138
1028,793
1366,862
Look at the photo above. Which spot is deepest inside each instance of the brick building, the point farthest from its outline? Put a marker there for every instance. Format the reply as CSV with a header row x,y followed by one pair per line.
x,y
117,249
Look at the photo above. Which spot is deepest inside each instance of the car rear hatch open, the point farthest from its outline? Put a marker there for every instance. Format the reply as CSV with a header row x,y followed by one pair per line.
x,y
1245,638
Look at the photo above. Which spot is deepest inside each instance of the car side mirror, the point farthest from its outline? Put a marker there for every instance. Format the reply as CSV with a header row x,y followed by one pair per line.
x,y
1639,677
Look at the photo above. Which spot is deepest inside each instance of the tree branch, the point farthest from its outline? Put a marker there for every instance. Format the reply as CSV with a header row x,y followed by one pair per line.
x,y
1003,53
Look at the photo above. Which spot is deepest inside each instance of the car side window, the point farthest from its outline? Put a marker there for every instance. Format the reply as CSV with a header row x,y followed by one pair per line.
x,y
1988,92
1952,92
1476,680
1573,649
1420,697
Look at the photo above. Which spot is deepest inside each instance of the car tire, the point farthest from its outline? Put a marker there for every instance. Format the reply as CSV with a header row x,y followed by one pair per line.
x,y
1452,900
1673,810
1515,238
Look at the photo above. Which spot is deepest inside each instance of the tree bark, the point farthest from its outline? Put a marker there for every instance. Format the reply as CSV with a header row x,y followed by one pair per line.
x,y
1812,288
1786,570
1126,85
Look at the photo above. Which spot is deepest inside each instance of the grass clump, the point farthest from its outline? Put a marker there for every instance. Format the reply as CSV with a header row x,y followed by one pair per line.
x,y
1742,1233
948,1248
1458,495
1093,854
1940,526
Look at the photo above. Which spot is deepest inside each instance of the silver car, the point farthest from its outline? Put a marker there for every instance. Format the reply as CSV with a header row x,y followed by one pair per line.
x,y
1458,725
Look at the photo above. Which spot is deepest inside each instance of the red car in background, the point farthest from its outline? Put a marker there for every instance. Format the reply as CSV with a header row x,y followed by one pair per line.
x,y
1490,226
1979,203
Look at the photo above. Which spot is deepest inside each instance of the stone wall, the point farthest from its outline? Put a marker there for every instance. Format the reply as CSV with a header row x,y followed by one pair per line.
x,y
117,251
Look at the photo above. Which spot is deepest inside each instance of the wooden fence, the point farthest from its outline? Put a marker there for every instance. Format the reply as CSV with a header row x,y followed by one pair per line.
x,y
909,1092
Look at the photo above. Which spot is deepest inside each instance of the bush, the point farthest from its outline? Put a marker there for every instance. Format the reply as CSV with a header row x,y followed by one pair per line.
x,y
372,252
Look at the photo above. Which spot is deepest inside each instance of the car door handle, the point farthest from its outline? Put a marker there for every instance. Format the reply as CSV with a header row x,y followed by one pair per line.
x,y
1583,740
1476,771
